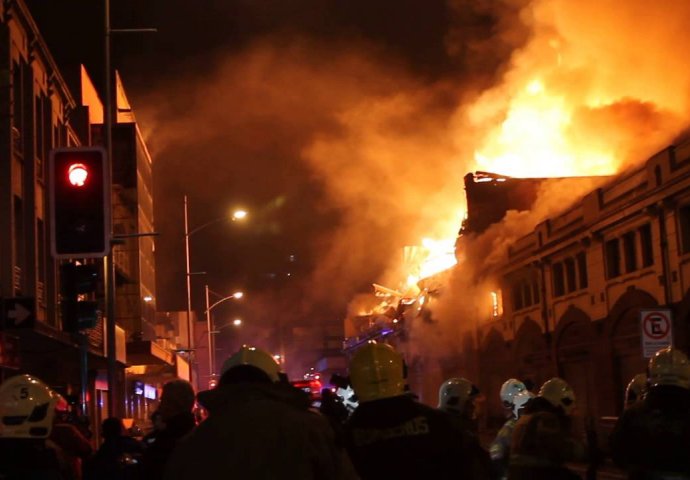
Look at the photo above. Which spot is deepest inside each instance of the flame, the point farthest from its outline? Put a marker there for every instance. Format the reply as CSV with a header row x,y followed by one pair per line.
x,y
585,100
534,141
436,256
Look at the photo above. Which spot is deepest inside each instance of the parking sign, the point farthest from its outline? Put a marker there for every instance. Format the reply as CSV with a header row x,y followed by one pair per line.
x,y
656,330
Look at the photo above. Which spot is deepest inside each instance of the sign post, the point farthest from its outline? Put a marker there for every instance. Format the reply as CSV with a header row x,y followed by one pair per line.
x,y
656,330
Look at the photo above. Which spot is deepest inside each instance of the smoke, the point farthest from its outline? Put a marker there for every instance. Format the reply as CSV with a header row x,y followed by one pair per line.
x,y
597,88
368,152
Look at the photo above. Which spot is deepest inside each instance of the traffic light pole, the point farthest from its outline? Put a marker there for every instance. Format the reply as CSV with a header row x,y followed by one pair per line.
x,y
109,263
84,372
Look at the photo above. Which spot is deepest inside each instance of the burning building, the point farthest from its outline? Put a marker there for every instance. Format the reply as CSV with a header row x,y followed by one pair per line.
x,y
575,289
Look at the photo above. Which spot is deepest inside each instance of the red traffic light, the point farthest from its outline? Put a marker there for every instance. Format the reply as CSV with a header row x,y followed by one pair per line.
x,y
77,173
79,189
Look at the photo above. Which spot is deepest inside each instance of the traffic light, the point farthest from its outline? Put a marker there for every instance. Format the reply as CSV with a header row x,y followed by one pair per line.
x,y
76,283
79,184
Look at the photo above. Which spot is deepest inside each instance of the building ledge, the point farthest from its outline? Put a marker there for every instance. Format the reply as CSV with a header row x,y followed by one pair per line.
x,y
147,352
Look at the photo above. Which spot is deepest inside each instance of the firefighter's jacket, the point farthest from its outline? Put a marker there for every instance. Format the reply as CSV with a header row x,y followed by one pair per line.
x,y
398,437
259,431
500,448
543,443
651,439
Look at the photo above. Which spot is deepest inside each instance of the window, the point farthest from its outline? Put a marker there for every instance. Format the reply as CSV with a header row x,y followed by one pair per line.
x,y
558,281
581,259
613,258
646,245
629,252
517,297
527,294
535,292
684,217
570,275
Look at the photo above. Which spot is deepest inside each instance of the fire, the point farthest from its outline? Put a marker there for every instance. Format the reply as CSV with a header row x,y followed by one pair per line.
x,y
432,257
534,141
590,92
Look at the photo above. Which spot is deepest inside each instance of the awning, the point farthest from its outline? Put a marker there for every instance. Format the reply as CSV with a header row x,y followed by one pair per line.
x,y
147,352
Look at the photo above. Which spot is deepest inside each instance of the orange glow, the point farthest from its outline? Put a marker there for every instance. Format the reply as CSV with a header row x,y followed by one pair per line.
x,y
429,259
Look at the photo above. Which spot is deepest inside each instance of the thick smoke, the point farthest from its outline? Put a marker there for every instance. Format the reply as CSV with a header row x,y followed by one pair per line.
x,y
598,88
549,87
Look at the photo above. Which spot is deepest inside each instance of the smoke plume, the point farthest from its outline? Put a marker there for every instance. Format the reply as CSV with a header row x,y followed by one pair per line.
x,y
540,88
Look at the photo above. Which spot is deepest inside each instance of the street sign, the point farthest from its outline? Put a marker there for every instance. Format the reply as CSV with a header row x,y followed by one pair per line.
x,y
19,312
656,330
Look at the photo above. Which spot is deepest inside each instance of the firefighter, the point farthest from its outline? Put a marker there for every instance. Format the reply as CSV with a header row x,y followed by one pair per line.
x,y
636,390
542,439
457,397
651,439
509,389
390,434
500,447
27,413
259,426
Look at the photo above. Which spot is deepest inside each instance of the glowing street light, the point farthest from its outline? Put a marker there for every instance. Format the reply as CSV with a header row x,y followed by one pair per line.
x,y
211,344
236,215
239,215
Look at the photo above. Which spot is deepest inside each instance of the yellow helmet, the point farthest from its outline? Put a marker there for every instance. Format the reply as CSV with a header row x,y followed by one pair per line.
x,y
27,408
669,366
377,371
559,394
254,357
636,389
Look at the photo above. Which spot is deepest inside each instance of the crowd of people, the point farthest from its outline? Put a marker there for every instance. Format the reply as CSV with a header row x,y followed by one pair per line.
x,y
258,426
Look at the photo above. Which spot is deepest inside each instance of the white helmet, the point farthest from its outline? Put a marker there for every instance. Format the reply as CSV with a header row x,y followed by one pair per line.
x,y
454,395
636,390
559,394
509,389
254,357
520,400
27,408
347,395
669,366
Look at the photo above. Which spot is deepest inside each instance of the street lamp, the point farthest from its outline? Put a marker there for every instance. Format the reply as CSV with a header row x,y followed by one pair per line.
x,y
237,215
211,344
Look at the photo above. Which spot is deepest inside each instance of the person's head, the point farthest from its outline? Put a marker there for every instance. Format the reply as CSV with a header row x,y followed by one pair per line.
x,y
177,398
509,389
112,428
457,396
27,407
250,365
636,390
377,371
669,367
520,400
559,394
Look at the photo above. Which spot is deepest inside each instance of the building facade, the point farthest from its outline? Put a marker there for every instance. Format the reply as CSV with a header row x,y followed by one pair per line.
x,y
575,289
43,107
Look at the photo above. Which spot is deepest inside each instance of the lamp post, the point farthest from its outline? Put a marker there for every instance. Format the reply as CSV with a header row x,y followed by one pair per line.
x,y
236,215
211,343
